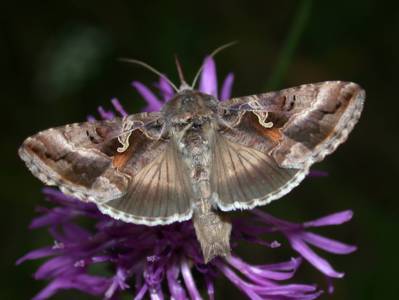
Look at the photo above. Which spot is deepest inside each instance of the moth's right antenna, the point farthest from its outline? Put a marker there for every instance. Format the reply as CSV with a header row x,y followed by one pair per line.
x,y
148,67
216,51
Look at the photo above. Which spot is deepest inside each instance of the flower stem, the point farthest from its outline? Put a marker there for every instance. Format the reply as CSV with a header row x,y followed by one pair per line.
x,y
300,20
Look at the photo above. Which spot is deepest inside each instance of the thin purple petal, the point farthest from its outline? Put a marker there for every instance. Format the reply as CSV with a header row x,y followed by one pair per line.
x,y
156,295
227,87
56,216
175,288
259,274
210,288
330,285
36,254
141,293
268,218
238,282
153,103
55,267
106,115
333,219
93,285
292,264
165,88
118,107
208,81
327,244
314,259
91,118
189,281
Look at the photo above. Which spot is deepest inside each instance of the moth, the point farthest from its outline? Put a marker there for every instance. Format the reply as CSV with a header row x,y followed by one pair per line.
x,y
197,158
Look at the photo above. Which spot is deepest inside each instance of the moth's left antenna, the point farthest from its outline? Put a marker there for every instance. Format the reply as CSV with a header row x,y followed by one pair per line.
x,y
148,67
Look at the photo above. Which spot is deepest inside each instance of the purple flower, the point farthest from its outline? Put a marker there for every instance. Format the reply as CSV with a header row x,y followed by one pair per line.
x,y
165,261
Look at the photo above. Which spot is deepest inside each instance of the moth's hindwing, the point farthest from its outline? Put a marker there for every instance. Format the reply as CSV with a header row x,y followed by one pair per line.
x,y
243,177
160,191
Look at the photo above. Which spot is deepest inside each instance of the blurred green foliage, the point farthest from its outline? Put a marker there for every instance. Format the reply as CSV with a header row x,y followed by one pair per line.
x,y
59,64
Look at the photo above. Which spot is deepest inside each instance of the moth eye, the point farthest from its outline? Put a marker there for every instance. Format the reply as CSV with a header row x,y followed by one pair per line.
x,y
196,125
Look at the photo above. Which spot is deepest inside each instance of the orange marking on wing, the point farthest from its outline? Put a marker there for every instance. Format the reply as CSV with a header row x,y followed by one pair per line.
x,y
121,159
274,134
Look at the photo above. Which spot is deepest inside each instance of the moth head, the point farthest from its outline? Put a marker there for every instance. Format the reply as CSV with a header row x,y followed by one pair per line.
x,y
189,109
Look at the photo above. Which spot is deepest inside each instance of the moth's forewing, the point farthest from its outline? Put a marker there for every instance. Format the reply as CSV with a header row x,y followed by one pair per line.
x,y
310,121
260,162
78,159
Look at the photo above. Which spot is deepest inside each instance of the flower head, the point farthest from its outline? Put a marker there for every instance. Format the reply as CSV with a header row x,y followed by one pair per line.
x,y
166,260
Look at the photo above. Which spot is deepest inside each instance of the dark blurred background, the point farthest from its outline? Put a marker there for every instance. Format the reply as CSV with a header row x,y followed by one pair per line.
x,y
58,63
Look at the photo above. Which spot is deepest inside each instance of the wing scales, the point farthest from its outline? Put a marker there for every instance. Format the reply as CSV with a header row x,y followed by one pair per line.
x,y
160,193
243,177
311,120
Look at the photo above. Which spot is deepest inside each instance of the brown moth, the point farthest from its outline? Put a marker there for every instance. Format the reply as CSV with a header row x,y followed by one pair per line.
x,y
197,158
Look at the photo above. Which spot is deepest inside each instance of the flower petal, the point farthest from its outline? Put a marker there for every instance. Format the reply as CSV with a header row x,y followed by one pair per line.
x,y
38,253
91,118
227,86
118,107
210,288
319,263
93,285
106,115
57,266
141,293
238,282
55,216
333,219
327,244
189,281
118,283
208,81
175,288
292,264
258,274
153,103
269,219
165,88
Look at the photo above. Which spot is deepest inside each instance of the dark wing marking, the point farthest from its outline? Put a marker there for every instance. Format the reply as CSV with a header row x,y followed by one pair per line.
x,y
79,158
244,177
159,193
309,121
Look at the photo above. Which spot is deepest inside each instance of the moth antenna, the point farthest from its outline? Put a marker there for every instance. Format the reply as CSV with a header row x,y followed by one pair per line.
x,y
216,51
150,68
